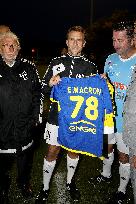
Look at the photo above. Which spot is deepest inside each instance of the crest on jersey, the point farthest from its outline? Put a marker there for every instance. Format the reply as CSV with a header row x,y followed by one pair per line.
x,y
24,75
58,68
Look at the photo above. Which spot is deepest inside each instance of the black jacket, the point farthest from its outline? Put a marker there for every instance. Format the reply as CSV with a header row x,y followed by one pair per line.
x,y
66,66
20,93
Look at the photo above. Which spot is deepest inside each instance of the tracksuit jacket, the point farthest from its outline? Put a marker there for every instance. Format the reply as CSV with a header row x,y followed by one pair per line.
x,y
20,93
129,115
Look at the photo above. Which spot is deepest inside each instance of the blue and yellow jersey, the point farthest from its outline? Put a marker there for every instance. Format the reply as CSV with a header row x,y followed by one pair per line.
x,y
82,104
109,118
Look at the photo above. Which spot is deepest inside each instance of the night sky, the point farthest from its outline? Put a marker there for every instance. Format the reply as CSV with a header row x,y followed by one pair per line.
x,y
41,23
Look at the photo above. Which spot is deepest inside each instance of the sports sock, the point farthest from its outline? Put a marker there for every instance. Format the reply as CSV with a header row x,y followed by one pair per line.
x,y
71,167
107,163
48,168
124,171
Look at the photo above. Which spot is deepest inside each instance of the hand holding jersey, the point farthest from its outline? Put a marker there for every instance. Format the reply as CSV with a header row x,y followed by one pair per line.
x,y
54,80
133,161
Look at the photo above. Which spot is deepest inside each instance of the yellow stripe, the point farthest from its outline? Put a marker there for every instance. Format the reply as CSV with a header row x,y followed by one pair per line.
x,y
88,154
109,120
52,100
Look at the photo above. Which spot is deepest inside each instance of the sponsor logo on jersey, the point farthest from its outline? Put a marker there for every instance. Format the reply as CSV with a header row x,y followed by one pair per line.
x,y
74,127
120,86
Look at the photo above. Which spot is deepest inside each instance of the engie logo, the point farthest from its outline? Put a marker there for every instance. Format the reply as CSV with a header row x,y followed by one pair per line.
x,y
75,128
82,129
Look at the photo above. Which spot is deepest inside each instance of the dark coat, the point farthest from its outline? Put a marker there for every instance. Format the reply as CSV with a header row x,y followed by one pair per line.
x,y
20,93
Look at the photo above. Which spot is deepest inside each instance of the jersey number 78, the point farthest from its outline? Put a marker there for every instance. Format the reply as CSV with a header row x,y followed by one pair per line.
x,y
91,111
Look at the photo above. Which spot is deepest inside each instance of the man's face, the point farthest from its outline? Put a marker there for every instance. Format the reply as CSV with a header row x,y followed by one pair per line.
x,y
75,43
9,49
121,43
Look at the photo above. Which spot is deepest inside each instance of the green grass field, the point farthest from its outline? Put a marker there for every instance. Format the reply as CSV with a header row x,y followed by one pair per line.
x,y
88,168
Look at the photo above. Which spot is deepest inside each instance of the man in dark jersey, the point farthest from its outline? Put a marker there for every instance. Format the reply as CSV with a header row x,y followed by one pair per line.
x,y
72,65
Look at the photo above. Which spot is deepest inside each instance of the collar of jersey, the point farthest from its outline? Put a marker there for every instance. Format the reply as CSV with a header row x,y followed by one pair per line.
x,y
124,60
75,57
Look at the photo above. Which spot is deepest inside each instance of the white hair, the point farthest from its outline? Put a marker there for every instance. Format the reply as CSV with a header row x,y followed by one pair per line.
x,y
9,35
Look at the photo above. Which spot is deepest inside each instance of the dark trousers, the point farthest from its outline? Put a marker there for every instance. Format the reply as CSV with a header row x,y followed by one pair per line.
x,y
24,165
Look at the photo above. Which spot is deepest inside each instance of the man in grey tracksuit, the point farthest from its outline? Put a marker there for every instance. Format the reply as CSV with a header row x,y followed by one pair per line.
x,y
129,128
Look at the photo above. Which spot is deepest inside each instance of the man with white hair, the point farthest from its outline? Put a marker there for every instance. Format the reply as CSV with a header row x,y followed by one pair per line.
x,y
19,114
